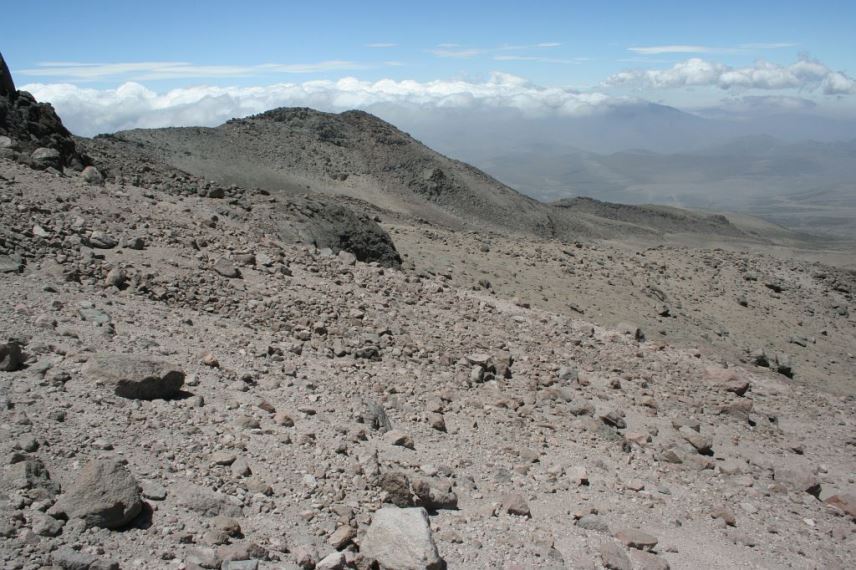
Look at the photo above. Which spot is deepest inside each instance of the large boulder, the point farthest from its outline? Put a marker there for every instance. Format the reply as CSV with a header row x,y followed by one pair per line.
x,y
11,357
319,221
105,494
798,478
135,377
400,539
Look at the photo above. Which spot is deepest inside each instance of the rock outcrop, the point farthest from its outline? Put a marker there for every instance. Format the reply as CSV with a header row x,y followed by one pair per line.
x,y
34,129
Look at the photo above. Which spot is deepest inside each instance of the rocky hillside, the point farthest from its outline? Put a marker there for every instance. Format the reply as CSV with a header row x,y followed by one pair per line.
x,y
666,219
358,155
179,393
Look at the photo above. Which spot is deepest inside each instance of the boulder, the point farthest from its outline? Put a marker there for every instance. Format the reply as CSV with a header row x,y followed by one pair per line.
x,y
92,176
102,240
798,478
845,502
46,157
135,377
11,264
614,557
206,502
69,559
11,357
633,538
701,443
105,495
516,505
401,539
225,268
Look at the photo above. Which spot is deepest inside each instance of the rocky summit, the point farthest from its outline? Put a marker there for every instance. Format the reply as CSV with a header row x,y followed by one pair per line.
x,y
199,372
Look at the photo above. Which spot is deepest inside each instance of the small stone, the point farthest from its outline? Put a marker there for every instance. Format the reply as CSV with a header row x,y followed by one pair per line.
x,y
92,176
578,475
701,443
115,278
333,561
633,538
643,560
209,360
153,491
101,240
341,537
615,419
225,268
594,523
228,525
399,438
614,557
845,502
725,514
241,468
45,525
516,504
222,458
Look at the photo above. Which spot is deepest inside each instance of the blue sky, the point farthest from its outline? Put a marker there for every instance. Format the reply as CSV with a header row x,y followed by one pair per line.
x,y
687,54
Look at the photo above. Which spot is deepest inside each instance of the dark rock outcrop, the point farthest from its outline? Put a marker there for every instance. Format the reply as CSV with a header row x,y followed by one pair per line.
x,y
32,126
7,86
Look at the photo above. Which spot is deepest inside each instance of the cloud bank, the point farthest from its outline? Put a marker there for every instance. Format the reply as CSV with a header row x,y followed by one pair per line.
x,y
805,74
92,111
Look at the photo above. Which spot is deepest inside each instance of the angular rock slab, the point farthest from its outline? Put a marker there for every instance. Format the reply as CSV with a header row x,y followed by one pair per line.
x,y
400,539
135,377
105,494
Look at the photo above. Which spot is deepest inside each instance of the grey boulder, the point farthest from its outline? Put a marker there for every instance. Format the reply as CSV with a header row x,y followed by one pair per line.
x,y
400,539
105,495
135,377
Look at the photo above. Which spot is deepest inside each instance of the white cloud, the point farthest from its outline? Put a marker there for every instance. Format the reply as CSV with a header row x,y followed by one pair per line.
x,y
91,111
458,51
768,45
658,50
454,52
153,70
538,59
805,74
683,48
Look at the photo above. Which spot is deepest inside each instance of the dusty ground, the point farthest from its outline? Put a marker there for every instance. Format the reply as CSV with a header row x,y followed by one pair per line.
x,y
274,429
718,298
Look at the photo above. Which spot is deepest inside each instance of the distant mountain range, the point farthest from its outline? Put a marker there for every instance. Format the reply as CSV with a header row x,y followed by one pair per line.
x,y
807,186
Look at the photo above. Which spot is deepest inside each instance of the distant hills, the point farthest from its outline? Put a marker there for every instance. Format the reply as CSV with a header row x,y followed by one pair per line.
x,y
807,186
357,155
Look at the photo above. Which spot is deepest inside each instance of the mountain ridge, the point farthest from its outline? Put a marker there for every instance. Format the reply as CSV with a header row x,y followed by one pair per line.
x,y
359,155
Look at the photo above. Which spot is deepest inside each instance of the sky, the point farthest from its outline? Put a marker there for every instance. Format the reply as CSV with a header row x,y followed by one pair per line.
x,y
113,65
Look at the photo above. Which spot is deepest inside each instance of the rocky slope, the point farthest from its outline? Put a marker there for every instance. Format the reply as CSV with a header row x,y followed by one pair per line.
x,y
300,408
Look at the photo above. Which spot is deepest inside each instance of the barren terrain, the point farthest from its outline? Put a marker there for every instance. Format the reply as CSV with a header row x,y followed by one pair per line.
x,y
201,374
